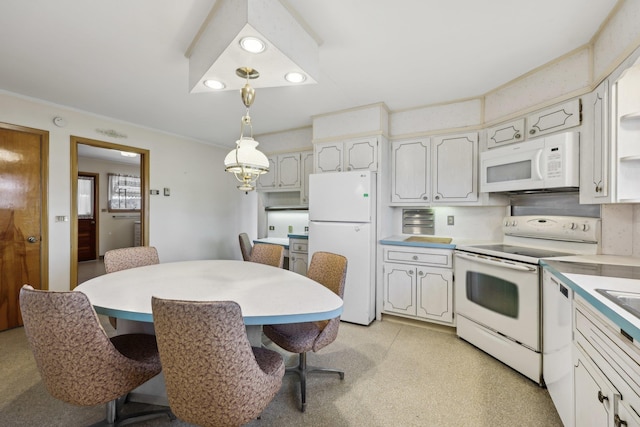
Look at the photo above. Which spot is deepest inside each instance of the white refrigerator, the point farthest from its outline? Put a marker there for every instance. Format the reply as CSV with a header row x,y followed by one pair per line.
x,y
342,220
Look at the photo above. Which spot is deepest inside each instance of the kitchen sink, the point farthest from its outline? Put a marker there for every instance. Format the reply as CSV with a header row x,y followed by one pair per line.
x,y
630,301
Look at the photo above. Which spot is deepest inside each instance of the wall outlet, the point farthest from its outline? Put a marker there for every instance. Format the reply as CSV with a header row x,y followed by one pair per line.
x,y
271,228
450,220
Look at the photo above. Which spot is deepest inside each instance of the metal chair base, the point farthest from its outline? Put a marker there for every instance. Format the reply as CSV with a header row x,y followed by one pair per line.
x,y
302,370
114,418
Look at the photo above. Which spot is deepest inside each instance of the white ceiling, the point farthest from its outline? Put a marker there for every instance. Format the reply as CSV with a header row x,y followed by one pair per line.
x,y
125,59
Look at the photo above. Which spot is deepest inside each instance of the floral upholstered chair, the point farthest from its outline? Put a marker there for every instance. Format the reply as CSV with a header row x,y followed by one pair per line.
x,y
329,270
213,375
125,258
78,362
265,253
245,246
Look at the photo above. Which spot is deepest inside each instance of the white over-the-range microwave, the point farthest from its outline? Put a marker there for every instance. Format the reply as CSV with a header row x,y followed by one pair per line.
x,y
549,163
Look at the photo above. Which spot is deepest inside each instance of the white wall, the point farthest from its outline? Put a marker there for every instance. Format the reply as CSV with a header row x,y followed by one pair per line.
x,y
202,217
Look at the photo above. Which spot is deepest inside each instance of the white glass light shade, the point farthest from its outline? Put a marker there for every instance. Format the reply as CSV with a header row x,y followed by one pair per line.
x,y
246,158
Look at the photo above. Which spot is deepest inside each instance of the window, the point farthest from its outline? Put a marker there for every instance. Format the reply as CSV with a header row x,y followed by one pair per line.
x,y
85,197
124,193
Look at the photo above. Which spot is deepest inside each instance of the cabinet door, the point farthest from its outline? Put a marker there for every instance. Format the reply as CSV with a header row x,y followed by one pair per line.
x,y
410,171
288,170
328,156
554,119
307,168
399,287
595,148
435,294
626,416
505,133
593,399
361,154
269,180
455,168
298,263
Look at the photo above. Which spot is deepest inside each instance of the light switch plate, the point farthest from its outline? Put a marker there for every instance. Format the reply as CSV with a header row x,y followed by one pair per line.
x,y
450,220
167,192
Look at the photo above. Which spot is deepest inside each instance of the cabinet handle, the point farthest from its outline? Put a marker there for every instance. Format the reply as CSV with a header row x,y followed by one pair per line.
x,y
602,397
421,273
349,168
532,131
411,272
517,136
415,257
437,197
339,169
598,189
618,422
425,198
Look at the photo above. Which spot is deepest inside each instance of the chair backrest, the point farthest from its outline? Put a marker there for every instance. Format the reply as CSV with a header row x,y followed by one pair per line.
x,y
245,246
330,270
74,355
210,370
125,258
265,253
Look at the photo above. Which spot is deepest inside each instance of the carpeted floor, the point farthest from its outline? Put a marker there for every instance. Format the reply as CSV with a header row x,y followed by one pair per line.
x,y
395,375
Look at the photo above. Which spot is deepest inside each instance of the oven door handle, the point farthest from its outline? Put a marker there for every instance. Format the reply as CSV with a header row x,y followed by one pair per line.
x,y
495,262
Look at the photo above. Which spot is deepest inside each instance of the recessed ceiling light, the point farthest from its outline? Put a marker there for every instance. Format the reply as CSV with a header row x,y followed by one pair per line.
x,y
295,77
252,44
214,84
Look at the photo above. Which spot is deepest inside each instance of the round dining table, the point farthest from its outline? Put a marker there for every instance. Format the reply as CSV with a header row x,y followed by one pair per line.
x,y
266,295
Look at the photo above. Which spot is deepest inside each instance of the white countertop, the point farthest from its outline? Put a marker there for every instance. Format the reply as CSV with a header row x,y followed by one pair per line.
x,y
282,241
585,285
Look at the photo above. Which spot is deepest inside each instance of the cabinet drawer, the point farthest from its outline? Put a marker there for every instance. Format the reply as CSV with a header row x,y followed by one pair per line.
x,y
433,257
616,357
298,246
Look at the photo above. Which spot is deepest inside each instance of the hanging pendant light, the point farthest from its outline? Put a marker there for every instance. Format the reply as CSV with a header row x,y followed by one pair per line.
x,y
246,162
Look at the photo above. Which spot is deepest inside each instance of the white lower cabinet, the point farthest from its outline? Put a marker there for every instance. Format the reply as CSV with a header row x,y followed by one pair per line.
x,y
418,284
606,371
298,256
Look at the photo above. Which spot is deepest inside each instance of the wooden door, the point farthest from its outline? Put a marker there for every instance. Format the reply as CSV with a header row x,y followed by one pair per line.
x,y
23,157
87,216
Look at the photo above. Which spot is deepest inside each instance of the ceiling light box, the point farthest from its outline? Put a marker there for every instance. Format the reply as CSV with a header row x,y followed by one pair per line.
x,y
215,53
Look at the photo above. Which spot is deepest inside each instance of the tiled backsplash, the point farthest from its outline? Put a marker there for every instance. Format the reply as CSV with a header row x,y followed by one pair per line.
x,y
280,221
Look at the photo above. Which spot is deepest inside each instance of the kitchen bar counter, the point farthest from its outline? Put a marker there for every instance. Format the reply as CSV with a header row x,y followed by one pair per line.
x,y
585,274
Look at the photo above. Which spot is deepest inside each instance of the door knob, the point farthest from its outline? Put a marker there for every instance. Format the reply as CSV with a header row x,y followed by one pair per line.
x,y
32,239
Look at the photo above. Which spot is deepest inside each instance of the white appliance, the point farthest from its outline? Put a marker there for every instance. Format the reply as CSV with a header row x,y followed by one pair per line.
x,y
557,358
548,163
342,220
498,287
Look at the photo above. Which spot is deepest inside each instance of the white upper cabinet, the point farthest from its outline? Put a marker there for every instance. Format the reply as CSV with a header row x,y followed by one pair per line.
x,y
350,155
595,148
411,175
283,175
506,133
443,169
455,168
626,99
306,161
554,119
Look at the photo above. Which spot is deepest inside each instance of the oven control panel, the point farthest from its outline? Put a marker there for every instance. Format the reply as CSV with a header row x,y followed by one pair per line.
x,y
567,228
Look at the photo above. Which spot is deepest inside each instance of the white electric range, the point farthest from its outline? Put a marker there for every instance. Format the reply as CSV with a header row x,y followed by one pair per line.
x,y
498,293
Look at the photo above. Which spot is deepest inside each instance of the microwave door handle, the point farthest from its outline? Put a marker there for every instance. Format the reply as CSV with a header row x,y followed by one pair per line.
x,y
536,164
495,262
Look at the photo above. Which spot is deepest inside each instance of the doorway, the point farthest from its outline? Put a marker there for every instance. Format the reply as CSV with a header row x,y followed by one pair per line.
x,y
103,149
88,215
24,159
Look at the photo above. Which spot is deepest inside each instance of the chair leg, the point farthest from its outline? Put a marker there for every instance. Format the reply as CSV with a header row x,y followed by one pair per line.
x,y
302,370
113,417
